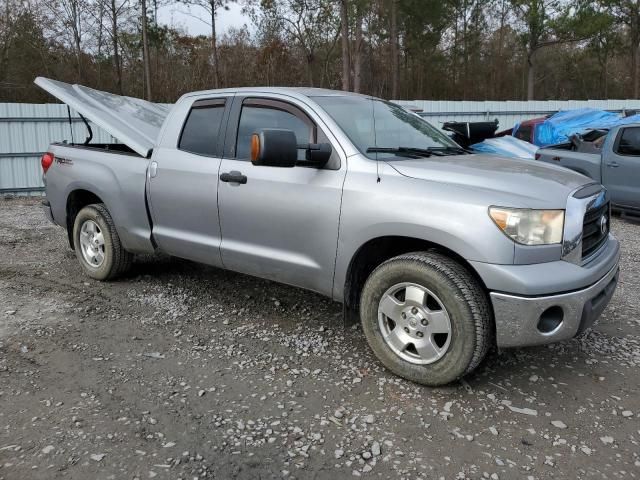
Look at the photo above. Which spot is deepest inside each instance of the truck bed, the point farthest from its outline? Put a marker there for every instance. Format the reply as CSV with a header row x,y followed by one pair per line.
x,y
117,177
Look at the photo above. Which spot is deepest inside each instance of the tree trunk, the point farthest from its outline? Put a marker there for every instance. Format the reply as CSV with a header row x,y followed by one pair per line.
x,y
100,31
75,19
214,46
346,63
357,61
116,54
395,62
145,51
310,61
531,75
635,67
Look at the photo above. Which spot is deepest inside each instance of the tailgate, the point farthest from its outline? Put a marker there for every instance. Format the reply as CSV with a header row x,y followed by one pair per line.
x,y
134,122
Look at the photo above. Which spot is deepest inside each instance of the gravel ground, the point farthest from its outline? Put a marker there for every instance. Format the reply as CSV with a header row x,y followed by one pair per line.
x,y
185,371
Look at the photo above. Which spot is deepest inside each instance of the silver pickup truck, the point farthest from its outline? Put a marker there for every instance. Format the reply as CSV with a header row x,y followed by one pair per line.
x,y
441,253
611,158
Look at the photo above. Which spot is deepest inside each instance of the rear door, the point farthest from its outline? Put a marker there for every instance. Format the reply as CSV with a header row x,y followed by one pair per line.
x,y
281,224
621,168
183,181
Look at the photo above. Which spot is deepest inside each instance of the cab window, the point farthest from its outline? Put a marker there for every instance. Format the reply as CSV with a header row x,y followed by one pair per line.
x,y
202,127
629,143
255,117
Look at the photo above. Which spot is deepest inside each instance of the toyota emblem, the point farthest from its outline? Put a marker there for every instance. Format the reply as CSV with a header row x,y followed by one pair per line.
x,y
603,225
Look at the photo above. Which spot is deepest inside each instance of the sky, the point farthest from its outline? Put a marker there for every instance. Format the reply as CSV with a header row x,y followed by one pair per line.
x,y
177,15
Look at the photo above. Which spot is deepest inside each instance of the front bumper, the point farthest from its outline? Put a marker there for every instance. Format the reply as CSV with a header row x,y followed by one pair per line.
x,y
525,321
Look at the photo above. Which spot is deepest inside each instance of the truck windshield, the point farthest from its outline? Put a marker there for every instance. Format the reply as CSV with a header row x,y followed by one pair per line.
x,y
375,126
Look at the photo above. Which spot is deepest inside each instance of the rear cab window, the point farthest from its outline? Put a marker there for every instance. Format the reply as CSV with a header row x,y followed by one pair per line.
x,y
201,129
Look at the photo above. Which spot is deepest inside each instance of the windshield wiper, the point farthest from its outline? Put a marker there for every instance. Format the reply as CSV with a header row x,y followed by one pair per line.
x,y
414,152
450,149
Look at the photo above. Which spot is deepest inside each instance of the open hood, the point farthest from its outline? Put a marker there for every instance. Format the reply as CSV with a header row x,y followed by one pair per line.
x,y
134,122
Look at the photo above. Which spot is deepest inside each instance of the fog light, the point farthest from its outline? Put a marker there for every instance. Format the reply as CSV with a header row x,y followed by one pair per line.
x,y
550,319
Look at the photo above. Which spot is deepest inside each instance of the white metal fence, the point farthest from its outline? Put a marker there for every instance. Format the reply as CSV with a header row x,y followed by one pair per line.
x,y
27,129
510,112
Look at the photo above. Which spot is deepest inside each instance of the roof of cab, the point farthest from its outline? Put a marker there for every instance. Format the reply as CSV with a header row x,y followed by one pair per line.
x,y
293,91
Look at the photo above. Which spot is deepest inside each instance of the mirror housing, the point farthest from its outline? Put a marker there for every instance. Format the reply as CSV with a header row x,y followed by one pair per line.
x,y
274,147
318,154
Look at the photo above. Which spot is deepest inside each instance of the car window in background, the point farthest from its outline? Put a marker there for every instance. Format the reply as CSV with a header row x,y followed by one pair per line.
x,y
375,123
200,132
255,118
629,142
524,133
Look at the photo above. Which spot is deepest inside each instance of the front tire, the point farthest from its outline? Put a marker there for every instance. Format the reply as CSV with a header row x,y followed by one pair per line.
x,y
426,318
97,244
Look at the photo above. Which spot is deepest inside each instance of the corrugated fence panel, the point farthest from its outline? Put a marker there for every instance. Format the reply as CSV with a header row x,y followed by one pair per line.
x,y
509,112
27,129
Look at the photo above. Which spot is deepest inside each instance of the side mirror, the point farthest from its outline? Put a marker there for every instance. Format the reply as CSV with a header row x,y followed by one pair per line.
x,y
273,147
318,154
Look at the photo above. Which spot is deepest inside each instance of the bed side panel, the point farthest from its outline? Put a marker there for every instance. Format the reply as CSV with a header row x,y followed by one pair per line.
x,y
119,180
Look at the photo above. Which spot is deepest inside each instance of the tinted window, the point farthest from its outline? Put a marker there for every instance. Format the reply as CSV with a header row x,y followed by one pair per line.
x,y
253,119
200,132
629,142
524,133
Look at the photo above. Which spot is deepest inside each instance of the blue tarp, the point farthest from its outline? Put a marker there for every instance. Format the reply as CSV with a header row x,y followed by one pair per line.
x,y
506,147
560,126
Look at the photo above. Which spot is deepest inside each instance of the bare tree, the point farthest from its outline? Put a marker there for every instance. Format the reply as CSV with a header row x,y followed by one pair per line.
x,y
145,49
115,10
309,23
627,12
395,49
344,31
69,20
212,7
358,51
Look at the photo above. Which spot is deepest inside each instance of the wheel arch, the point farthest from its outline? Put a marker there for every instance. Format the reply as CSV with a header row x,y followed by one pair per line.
x,y
76,200
380,249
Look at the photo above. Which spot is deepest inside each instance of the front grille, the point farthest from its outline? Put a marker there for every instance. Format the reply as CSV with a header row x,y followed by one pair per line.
x,y
594,229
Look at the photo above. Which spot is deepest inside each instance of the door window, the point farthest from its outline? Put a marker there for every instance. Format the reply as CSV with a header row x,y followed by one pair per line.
x,y
254,118
629,143
201,129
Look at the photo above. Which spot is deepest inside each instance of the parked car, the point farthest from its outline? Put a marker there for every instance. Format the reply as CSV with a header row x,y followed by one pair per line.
x,y
525,130
442,253
612,159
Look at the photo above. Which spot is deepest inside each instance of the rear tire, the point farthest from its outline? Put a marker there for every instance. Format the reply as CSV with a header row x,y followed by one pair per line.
x,y
97,244
426,318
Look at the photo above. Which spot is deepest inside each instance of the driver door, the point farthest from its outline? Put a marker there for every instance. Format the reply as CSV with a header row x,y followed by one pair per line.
x,y
282,224
621,168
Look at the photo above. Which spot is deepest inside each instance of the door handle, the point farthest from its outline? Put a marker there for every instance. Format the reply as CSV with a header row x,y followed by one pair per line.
x,y
233,177
153,169
613,164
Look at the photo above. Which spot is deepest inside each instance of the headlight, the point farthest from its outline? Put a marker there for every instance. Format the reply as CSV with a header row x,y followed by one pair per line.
x,y
529,227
